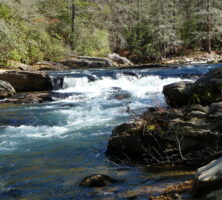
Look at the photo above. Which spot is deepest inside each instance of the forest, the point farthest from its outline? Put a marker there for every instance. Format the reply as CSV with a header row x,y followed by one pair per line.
x,y
142,30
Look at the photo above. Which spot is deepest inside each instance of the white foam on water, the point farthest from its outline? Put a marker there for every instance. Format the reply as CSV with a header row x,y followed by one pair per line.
x,y
138,87
94,108
34,132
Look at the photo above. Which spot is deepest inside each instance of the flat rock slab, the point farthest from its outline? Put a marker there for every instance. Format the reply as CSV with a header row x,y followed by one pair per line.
x,y
25,81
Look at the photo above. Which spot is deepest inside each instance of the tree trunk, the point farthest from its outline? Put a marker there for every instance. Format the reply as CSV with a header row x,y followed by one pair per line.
x,y
73,16
208,45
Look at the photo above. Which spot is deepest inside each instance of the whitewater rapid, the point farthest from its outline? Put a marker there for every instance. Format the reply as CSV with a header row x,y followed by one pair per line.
x,y
46,149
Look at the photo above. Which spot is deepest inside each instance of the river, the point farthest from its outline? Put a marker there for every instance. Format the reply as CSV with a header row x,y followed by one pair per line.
x,y
47,149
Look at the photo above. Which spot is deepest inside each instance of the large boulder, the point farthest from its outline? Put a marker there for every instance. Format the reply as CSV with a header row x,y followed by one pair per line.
x,y
189,137
208,181
178,94
24,81
119,59
206,90
6,90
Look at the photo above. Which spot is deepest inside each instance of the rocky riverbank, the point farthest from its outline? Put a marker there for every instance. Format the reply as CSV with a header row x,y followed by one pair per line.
x,y
112,61
188,134
23,87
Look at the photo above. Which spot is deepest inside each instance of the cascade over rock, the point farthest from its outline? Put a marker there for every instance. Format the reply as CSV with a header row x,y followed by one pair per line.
x,y
187,136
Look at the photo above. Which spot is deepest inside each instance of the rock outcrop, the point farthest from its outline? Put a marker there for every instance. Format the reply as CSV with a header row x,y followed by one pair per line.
x,y
25,81
6,89
206,90
178,94
188,137
208,181
47,65
88,62
30,98
113,60
119,59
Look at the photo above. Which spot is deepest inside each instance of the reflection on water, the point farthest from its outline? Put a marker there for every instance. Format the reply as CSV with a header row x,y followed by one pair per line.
x,y
47,149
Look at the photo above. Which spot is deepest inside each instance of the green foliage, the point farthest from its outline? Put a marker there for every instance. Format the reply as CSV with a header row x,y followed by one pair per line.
x,y
5,12
92,42
194,99
27,43
145,29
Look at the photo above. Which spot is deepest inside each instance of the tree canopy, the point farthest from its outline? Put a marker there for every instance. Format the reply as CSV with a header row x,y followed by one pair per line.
x,y
32,30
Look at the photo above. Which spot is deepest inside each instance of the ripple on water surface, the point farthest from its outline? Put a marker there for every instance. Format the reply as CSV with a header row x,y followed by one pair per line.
x,y
47,149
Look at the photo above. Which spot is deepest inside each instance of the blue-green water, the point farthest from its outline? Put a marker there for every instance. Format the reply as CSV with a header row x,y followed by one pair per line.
x,y
45,150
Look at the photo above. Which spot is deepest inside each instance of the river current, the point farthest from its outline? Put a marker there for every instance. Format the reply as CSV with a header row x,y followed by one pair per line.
x,y
47,149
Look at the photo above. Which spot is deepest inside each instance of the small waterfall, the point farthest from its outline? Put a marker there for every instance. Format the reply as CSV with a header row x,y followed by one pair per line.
x,y
57,82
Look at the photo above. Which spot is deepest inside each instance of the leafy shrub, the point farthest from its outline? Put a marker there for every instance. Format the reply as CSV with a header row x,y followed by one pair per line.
x,y
92,42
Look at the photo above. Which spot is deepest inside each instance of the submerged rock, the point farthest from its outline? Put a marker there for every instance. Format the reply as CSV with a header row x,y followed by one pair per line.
x,y
24,81
128,73
6,89
120,94
97,180
208,181
12,192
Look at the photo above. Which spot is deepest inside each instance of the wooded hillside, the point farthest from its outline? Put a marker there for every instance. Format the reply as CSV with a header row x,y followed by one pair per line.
x,y
143,30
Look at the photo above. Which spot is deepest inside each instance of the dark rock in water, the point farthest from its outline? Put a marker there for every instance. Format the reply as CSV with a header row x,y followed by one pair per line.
x,y
208,181
25,81
120,95
206,90
6,89
30,98
65,95
130,74
91,78
178,94
189,137
12,193
97,180
116,88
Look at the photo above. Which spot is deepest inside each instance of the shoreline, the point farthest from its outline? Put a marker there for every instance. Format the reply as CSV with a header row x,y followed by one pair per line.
x,y
85,62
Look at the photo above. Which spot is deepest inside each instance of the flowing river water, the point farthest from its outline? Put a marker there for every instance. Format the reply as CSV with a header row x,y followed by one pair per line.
x,y
47,149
